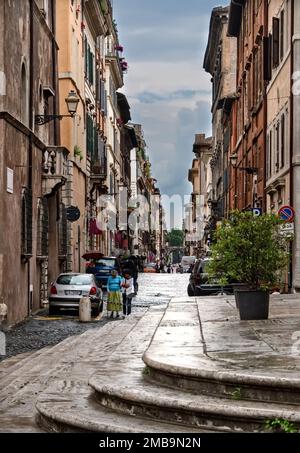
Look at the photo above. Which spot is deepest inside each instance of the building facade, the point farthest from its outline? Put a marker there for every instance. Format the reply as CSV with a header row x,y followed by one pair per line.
x,y
32,162
248,23
220,62
200,215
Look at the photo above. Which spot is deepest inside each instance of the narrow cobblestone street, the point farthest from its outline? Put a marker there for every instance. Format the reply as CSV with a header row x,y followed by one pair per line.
x,y
42,330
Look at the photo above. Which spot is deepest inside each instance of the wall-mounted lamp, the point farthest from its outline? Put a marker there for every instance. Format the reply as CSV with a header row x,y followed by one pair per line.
x,y
248,170
72,101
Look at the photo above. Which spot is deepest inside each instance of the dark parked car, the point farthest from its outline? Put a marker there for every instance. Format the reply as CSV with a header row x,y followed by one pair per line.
x,y
100,266
200,285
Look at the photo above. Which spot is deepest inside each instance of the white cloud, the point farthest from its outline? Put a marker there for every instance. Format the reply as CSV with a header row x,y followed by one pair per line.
x,y
165,77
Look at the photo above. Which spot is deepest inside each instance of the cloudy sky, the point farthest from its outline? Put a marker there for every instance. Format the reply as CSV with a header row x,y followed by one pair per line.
x,y
167,88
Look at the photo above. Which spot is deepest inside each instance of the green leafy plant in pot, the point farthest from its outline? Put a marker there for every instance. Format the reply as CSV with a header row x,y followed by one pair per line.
x,y
252,251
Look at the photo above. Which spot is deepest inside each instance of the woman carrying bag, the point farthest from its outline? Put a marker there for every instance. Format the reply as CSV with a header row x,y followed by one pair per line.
x,y
128,293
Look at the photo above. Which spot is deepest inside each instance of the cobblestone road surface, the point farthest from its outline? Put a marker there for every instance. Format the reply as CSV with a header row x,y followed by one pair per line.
x,y
41,330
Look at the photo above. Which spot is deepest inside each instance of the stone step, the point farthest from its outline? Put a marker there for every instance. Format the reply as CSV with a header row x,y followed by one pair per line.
x,y
22,382
13,364
125,390
18,367
76,413
203,347
71,362
122,389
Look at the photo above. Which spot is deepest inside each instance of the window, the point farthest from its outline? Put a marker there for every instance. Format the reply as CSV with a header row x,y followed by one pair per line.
x,y
62,232
42,228
270,153
90,136
282,141
257,75
281,35
276,41
26,223
24,97
246,105
89,62
277,147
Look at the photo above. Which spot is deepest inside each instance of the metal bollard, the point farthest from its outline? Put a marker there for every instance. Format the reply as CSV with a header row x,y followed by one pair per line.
x,y
85,310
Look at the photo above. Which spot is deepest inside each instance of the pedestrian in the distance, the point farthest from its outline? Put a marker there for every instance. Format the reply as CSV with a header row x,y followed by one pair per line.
x,y
128,293
114,301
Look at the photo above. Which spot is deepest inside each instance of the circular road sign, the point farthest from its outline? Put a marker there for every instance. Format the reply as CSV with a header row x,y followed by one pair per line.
x,y
287,214
73,213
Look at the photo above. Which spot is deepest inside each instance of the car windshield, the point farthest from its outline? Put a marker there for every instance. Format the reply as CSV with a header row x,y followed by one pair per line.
x,y
104,262
150,265
74,280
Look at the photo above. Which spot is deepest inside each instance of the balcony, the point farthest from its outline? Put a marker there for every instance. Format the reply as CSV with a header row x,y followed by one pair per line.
x,y
112,58
55,169
99,168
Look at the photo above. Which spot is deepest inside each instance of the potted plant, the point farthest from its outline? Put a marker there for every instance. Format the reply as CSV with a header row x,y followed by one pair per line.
x,y
78,152
252,251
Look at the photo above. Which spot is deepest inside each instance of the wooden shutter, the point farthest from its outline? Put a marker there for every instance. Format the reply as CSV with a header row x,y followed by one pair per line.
x,y
281,35
85,56
276,38
267,58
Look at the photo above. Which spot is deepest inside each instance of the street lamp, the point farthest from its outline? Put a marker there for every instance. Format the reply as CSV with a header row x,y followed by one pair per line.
x,y
248,170
72,101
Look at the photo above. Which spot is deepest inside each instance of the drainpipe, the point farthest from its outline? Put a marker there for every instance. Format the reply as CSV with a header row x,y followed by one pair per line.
x,y
54,74
265,108
291,141
30,146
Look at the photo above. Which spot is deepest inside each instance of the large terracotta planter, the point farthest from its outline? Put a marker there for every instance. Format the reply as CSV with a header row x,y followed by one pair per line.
x,y
252,304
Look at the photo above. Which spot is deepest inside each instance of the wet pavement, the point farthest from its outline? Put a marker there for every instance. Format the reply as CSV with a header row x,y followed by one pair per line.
x,y
205,370
41,330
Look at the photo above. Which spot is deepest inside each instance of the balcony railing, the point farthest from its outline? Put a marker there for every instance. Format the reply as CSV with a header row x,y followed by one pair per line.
x,y
99,168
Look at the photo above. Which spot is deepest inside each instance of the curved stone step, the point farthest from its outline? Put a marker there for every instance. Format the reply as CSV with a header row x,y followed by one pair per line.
x,y
203,347
75,414
130,394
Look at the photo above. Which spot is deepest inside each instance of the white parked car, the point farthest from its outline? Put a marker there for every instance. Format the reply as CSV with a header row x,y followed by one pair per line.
x,y
68,289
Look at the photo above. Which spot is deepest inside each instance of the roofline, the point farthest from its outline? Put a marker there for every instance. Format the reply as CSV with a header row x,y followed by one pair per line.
x,y
213,27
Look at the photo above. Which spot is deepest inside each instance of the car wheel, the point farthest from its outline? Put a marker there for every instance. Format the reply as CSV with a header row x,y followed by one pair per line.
x,y
53,310
190,291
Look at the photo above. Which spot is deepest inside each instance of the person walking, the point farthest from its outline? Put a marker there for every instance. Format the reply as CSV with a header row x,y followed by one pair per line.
x,y
114,302
128,292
